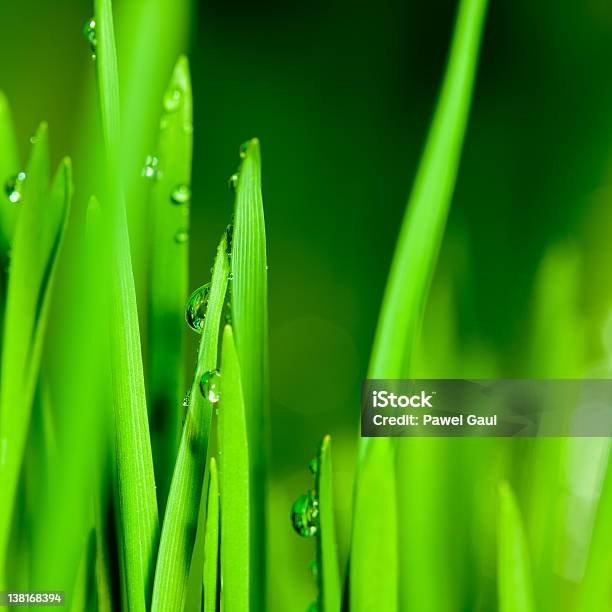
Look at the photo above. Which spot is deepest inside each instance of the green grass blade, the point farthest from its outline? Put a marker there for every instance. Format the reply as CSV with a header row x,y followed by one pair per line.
x,y
136,482
405,297
373,563
330,594
250,325
515,591
38,238
233,482
180,520
211,542
9,166
594,591
169,257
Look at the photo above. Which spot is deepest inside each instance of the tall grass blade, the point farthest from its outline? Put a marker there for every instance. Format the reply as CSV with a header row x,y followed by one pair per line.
x,y
181,518
37,243
250,326
170,196
211,542
136,483
406,294
9,166
330,593
515,590
233,483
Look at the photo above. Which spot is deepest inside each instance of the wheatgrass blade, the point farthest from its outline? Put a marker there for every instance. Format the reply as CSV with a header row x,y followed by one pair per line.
x,y
250,327
330,593
136,482
182,509
211,542
37,242
404,301
515,590
170,172
233,482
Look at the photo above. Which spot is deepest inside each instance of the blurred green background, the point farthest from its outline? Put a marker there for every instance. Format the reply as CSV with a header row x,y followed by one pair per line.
x,y
340,95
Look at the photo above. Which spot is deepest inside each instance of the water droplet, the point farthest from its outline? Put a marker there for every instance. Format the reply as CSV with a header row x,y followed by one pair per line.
x,y
151,167
230,276
14,187
233,182
313,466
210,384
181,194
89,30
186,399
181,237
304,514
172,100
244,147
197,305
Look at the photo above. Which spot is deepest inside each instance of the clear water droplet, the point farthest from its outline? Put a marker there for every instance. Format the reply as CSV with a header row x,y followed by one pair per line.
x,y
230,276
186,399
172,100
197,306
244,147
229,237
233,182
14,188
181,194
304,514
181,236
151,167
210,384
90,33
313,466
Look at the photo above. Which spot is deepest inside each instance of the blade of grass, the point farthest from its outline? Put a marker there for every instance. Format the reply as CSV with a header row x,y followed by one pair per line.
x,y
250,325
136,482
180,520
374,557
211,543
514,577
233,482
9,166
170,196
38,237
330,594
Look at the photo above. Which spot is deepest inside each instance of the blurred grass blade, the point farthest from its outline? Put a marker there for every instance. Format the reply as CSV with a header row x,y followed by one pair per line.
x,y
9,166
405,297
250,326
38,238
181,518
170,197
423,226
136,482
515,589
330,594
211,542
233,483
373,563
594,593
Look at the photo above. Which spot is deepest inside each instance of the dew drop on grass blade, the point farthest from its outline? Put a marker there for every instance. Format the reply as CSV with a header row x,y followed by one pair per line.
x,y
181,518
37,242
374,558
211,542
250,326
169,173
515,590
136,483
233,482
